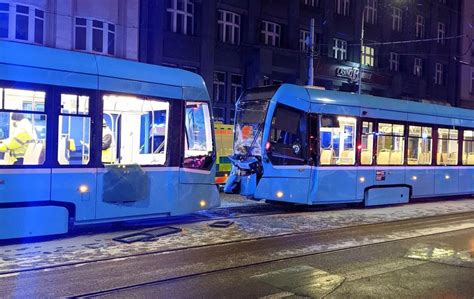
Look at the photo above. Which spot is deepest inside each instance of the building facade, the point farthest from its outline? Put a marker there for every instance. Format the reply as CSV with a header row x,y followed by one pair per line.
x,y
237,44
106,27
466,57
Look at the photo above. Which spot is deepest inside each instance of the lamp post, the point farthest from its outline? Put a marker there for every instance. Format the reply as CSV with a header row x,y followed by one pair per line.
x,y
361,48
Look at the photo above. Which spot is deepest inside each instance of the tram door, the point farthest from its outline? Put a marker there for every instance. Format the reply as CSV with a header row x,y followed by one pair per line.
x,y
287,178
197,188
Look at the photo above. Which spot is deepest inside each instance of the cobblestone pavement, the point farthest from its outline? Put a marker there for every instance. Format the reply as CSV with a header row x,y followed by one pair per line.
x,y
96,244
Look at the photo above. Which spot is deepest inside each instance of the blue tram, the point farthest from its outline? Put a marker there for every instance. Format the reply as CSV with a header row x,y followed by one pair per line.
x,y
303,145
87,139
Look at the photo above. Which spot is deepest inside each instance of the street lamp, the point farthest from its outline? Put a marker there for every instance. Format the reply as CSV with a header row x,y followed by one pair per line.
x,y
361,48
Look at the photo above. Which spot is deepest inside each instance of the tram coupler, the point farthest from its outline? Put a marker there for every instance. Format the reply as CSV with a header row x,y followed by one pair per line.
x,y
243,176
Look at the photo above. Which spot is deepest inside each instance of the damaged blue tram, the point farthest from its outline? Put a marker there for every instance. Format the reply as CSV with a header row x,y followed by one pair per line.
x,y
88,139
304,145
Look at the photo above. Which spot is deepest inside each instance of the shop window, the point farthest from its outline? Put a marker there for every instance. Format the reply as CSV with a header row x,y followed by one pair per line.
x,y
134,130
468,148
419,145
390,144
23,130
199,147
287,145
367,143
447,147
337,140
74,130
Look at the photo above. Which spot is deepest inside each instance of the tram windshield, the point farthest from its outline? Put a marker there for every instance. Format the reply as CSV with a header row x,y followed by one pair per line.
x,y
249,124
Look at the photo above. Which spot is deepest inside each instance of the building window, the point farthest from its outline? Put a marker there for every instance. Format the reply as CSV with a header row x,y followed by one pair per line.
x,y
229,27
368,56
181,14
219,87
418,67
235,87
439,74
441,33
313,3
304,40
340,49
397,19
371,12
447,147
342,7
394,62
22,22
271,33
218,114
472,80
94,36
420,26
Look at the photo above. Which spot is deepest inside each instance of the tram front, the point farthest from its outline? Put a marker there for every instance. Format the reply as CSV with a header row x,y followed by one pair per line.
x,y
270,159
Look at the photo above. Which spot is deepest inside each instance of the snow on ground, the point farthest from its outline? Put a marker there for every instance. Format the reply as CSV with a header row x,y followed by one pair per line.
x,y
96,246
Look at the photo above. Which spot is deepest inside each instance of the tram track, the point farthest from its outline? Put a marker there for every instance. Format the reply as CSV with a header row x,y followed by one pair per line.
x,y
423,222
395,223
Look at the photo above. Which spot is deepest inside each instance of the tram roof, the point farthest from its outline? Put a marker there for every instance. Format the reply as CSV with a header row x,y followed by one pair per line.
x,y
330,97
44,65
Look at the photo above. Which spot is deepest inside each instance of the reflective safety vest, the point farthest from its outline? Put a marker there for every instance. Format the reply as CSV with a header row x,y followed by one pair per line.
x,y
16,145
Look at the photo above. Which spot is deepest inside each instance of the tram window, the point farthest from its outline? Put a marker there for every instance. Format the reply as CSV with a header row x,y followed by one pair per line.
x,y
199,148
134,130
447,147
24,100
337,142
74,130
390,144
468,148
23,132
287,145
367,143
419,145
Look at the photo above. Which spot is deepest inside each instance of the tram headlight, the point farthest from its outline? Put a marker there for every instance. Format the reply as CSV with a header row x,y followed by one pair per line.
x,y
362,179
279,194
83,189
202,203
414,178
447,177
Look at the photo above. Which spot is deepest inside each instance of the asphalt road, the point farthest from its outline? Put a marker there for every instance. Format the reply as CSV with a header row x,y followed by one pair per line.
x,y
425,257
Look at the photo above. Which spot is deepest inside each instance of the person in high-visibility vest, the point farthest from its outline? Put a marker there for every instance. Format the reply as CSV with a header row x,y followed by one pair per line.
x,y
107,142
16,145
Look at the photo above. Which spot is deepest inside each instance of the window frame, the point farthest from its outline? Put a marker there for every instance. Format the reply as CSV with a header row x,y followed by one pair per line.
x,y
459,147
368,59
370,12
396,19
463,140
418,68
275,35
173,12
235,27
92,115
441,33
342,50
216,85
48,112
89,27
342,7
420,26
439,74
394,62
32,17
170,158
